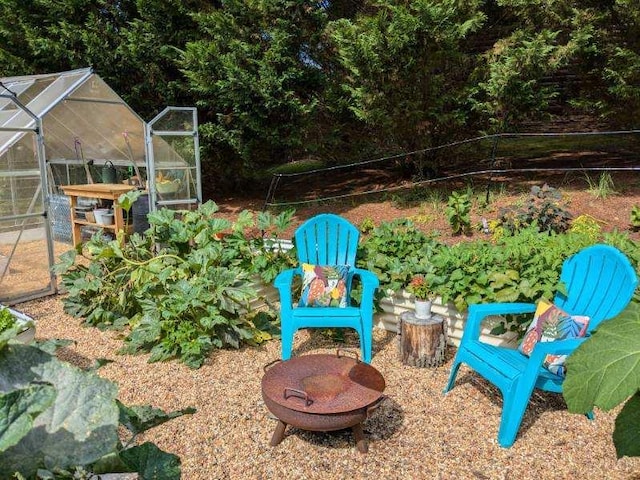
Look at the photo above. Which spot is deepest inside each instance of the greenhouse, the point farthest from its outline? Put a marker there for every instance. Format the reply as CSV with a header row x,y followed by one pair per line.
x,y
71,129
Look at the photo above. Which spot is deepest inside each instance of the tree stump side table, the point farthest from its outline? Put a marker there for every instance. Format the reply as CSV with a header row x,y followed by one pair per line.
x,y
422,342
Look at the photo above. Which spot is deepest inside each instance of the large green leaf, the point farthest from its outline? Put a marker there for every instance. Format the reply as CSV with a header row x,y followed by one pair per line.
x,y
18,409
138,419
79,428
626,435
151,462
605,370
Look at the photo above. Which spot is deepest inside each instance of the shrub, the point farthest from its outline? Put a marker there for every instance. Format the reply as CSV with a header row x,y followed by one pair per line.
x,y
543,209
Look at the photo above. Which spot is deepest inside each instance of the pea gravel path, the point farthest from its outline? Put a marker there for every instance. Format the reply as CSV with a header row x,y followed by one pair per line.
x,y
417,433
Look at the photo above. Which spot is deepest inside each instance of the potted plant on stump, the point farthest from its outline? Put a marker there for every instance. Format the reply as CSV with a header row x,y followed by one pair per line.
x,y
419,287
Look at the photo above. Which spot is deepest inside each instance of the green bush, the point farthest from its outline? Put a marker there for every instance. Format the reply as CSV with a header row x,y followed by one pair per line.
x,y
543,209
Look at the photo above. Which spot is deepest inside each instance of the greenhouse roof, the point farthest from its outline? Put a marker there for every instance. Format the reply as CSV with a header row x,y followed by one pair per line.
x,y
81,116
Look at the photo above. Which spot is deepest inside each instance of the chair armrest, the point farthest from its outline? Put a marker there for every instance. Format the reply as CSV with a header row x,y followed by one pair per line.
x,y
369,282
542,349
480,311
283,283
367,277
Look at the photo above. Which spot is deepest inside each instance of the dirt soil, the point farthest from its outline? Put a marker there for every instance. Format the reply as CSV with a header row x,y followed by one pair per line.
x,y
425,204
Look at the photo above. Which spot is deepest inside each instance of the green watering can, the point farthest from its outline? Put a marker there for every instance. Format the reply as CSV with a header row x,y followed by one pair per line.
x,y
109,173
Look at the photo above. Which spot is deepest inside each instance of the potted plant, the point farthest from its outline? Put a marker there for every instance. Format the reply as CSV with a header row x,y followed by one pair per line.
x,y
420,289
16,325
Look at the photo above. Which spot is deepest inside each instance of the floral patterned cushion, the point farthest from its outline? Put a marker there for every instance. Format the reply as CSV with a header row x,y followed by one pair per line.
x,y
324,286
552,323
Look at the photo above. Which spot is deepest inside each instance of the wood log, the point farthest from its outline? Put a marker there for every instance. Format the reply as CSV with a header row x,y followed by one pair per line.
x,y
422,343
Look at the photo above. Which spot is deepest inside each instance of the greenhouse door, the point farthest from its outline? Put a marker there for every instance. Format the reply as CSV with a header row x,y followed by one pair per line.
x,y
173,156
26,244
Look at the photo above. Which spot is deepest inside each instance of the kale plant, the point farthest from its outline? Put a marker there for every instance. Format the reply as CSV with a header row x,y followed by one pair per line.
x,y
543,209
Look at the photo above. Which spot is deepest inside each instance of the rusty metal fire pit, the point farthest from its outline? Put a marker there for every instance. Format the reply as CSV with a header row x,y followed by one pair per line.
x,y
322,393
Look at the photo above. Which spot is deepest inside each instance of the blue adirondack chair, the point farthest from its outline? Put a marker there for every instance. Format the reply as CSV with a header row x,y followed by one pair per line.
x,y
600,282
327,240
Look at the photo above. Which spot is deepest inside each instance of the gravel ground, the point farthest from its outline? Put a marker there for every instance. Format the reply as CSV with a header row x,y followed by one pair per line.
x,y
416,433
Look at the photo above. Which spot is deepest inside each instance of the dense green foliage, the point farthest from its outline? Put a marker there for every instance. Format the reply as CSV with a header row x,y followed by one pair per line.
x,y
182,289
404,71
521,266
280,80
256,65
189,285
44,435
604,372
134,44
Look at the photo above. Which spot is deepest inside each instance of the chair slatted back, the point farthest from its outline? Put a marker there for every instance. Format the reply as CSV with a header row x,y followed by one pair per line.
x,y
327,239
600,282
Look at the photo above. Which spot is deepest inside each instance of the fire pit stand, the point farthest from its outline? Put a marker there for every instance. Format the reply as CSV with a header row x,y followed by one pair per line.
x,y
322,393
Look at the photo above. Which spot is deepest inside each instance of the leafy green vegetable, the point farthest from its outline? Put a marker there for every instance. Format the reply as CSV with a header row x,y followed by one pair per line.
x,y
138,419
151,462
627,429
61,435
605,371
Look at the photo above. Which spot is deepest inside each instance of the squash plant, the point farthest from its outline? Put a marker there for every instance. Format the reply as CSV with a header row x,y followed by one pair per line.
x,y
604,372
183,288
44,435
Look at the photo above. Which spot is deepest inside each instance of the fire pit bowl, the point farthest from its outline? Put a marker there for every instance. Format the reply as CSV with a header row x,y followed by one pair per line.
x,y
322,393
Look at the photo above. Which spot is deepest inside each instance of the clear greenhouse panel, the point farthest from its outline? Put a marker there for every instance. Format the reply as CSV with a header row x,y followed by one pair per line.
x,y
175,121
100,134
175,166
24,267
20,182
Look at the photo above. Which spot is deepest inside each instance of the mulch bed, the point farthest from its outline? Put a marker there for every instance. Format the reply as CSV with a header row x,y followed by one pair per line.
x,y
416,433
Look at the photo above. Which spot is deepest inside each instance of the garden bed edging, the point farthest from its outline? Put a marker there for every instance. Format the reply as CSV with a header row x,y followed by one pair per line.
x,y
396,303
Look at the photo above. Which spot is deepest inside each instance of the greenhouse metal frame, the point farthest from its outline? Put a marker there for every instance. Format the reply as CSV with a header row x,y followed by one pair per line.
x,y
69,128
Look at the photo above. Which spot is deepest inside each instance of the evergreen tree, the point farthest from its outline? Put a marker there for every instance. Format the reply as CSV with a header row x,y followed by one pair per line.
x,y
257,72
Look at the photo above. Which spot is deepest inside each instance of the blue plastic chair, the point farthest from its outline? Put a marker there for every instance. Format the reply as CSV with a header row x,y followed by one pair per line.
x,y
327,239
600,282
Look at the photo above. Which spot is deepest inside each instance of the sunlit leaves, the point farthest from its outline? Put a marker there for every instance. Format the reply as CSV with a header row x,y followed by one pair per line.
x,y
185,288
